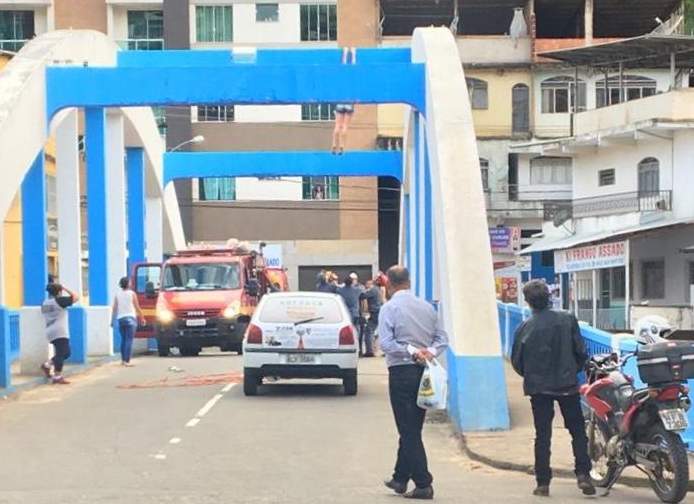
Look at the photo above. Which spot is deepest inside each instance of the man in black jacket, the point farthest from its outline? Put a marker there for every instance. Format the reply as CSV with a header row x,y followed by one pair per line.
x,y
548,352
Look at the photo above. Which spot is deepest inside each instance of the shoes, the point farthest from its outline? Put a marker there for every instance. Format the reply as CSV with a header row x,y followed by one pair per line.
x,y
60,381
396,486
368,354
426,493
46,368
541,491
585,484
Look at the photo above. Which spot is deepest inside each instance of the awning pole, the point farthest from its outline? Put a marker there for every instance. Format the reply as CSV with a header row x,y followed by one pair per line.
x,y
575,292
595,298
627,285
607,88
673,70
621,82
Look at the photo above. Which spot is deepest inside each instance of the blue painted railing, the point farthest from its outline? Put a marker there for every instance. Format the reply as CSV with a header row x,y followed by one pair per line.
x,y
511,316
15,347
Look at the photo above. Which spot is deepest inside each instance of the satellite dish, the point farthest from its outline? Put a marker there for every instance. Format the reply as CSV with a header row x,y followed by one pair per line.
x,y
561,216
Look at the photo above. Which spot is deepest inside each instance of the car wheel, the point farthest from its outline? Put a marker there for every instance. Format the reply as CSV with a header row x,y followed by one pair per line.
x,y
251,380
349,383
162,350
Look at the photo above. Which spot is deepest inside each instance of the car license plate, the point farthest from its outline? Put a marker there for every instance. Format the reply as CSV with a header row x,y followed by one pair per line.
x,y
301,359
674,419
200,322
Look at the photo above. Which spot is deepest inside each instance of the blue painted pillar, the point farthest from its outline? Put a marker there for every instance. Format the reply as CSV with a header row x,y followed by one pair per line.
x,y
135,169
77,320
34,233
97,193
5,362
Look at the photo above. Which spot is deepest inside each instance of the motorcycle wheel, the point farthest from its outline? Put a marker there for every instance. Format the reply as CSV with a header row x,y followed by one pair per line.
x,y
671,476
603,471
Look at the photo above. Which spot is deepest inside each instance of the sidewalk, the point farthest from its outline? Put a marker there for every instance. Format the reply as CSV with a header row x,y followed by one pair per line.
x,y
513,449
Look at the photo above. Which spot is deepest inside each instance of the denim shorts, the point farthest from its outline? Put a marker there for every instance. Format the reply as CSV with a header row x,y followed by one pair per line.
x,y
344,108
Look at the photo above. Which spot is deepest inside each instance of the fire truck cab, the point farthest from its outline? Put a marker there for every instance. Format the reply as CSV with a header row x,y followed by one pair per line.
x,y
203,297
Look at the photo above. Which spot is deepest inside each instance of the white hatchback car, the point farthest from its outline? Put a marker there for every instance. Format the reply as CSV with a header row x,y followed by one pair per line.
x,y
300,335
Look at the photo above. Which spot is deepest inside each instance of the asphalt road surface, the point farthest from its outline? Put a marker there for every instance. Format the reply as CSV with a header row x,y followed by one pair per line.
x,y
179,430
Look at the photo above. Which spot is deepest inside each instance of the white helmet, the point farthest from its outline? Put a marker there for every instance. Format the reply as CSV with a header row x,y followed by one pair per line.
x,y
652,329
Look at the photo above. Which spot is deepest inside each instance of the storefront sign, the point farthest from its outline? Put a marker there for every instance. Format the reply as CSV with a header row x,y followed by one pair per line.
x,y
505,240
605,255
273,256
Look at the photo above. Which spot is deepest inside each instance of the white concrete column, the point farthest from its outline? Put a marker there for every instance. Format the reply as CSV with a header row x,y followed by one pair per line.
x,y
35,348
68,202
99,332
589,21
421,209
154,229
115,214
109,21
3,275
50,18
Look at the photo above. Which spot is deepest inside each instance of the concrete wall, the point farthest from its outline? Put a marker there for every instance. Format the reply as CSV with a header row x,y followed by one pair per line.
x,y
81,14
664,244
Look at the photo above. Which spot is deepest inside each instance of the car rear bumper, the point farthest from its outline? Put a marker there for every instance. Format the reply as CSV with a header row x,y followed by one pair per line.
x,y
328,363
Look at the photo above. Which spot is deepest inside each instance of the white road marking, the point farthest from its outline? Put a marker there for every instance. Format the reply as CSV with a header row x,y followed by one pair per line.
x,y
207,407
193,422
227,388
175,440
160,456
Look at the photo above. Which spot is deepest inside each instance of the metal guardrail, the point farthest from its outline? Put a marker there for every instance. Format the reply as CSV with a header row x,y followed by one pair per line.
x,y
141,44
12,45
611,204
15,341
511,316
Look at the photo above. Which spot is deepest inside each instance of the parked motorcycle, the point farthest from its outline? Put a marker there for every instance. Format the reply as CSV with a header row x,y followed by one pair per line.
x,y
640,427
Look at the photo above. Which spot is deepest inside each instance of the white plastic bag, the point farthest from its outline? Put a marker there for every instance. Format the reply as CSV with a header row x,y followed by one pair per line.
x,y
433,389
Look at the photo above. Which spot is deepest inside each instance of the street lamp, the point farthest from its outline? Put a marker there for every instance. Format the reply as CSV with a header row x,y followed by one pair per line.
x,y
195,140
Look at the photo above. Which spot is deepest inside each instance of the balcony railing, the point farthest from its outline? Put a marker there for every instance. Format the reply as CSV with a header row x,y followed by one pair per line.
x,y
613,204
141,44
12,45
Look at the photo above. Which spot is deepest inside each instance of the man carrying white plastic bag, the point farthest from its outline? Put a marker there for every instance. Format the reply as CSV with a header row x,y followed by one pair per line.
x,y
412,337
433,388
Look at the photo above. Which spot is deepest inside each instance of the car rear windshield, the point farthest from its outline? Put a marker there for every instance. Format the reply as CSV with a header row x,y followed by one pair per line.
x,y
201,276
283,309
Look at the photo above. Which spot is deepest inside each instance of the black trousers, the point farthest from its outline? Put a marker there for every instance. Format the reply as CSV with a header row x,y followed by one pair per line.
x,y
543,414
61,348
403,384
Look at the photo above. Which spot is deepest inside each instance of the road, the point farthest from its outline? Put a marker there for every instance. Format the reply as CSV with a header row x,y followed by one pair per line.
x,y
157,434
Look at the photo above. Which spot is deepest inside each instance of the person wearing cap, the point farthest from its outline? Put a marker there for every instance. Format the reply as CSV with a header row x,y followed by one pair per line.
x,y
54,310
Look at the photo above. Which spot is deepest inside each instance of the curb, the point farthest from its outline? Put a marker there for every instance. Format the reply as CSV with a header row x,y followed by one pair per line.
x,y
528,468
40,380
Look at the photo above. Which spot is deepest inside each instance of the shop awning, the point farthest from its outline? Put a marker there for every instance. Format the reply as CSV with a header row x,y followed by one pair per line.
x,y
554,243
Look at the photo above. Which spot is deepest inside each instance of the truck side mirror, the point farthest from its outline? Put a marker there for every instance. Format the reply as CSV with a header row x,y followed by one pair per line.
x,y
150,291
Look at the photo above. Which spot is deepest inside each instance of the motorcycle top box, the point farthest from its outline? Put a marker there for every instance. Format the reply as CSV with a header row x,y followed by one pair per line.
x,y
668,361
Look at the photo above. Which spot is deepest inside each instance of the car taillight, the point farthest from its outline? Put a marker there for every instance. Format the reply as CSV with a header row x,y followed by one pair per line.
x,y
347,336
254,335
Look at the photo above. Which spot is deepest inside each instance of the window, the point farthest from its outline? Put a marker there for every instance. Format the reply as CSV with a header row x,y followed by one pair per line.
x,y
145,30
215,113
218,189
550,171
618,282
635,87
51,195
160,118
267,13
653,279
318,22
521,109
547,259
388,143
484,168
213,23
317,111
16,27
477,89
202,276
649,177
606,177
321,188
559,95
144,275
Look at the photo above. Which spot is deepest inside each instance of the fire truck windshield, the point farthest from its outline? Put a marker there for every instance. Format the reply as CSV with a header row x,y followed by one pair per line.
x,y
201,276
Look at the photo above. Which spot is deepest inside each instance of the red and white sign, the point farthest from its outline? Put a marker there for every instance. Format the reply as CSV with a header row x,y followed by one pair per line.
x,y
605,255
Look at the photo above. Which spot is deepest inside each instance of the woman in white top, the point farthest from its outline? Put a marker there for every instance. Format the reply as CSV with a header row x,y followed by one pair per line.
x,y
126,312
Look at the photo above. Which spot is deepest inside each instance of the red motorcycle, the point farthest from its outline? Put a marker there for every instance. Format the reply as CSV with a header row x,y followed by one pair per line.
x,y
640,427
